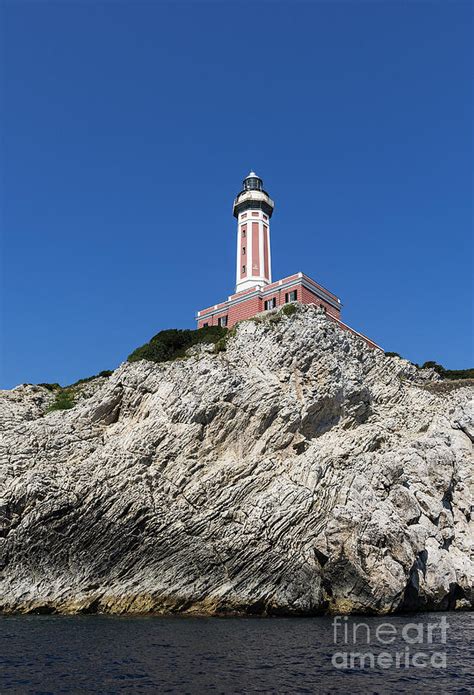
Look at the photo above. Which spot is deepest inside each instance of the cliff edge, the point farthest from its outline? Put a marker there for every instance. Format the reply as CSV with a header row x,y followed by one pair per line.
x,y
291,470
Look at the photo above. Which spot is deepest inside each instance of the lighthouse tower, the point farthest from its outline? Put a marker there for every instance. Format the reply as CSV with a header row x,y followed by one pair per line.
x,y
253,209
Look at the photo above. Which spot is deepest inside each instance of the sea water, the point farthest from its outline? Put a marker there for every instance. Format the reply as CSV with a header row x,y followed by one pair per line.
x,y
104,654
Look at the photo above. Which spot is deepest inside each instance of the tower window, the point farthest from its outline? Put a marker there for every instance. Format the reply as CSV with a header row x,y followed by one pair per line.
x,y
291,296
243,250
244,268
222,321
244,232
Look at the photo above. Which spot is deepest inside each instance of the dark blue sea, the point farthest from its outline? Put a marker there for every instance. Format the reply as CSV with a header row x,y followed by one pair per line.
x,y
100,654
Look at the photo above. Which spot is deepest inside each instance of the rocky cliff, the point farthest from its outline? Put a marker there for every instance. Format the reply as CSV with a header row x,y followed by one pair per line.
x,y
295,471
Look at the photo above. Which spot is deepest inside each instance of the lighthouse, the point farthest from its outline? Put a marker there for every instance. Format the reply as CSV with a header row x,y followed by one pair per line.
x,y
255,290
253,209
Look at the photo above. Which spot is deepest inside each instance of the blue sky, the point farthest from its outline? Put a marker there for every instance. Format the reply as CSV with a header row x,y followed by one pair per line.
x,y
129,126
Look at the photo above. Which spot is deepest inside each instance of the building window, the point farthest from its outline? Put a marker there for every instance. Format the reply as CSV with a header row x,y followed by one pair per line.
x,y
222,321
270,303
291,296
323,308
265,217
244,268
205,325
243,250
244,232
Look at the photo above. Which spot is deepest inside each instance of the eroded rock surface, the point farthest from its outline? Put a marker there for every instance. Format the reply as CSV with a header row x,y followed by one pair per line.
x,y
297,471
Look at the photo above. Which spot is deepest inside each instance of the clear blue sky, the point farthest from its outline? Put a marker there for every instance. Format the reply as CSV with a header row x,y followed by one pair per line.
x,y
128,127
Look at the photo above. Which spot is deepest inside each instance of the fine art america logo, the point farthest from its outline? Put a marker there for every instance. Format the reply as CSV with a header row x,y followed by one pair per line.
x,y
389,645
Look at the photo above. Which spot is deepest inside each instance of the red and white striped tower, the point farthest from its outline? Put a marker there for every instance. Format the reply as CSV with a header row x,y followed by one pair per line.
x,y
253,209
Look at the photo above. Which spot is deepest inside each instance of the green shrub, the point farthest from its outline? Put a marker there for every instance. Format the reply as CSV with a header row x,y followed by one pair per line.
x,y
64,400
456,374
453,374
57,387
221,345
447,386
50,387
104,373
172,344
289,309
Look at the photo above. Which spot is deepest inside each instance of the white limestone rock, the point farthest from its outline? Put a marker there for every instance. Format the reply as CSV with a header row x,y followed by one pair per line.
x,y
298,471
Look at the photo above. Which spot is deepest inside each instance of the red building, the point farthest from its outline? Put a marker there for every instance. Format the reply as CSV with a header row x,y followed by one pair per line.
x,y
255,291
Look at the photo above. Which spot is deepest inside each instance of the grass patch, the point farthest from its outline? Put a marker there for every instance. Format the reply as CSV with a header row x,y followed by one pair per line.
x,y
441,387
64,400
105,373
221,345
275,318
452,374
289,309
51,387
58,387
172,344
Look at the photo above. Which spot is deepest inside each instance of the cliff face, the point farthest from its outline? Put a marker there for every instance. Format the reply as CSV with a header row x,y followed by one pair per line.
x,y
297,471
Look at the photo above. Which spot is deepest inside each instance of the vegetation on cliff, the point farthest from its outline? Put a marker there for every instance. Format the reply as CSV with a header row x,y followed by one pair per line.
x,y
64,400
453,374
172,343
449,373
65,396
